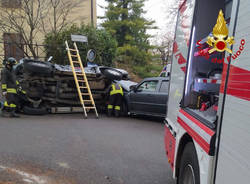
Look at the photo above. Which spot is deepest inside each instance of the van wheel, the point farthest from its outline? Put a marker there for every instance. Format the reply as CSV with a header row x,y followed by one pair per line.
x,y
35,111
38,67
111,73
189,167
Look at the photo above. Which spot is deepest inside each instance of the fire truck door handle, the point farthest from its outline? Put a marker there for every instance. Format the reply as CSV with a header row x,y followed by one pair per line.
x,y
170,128
166,122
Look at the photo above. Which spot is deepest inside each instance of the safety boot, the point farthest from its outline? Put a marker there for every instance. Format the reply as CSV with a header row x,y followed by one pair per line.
x,y
117,113
13,114
4,113
109,112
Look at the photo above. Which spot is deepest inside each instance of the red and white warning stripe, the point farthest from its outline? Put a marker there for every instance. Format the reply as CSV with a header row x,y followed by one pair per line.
x,y
197,130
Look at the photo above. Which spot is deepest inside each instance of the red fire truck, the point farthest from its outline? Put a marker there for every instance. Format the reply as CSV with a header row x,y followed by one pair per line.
x,y
207,127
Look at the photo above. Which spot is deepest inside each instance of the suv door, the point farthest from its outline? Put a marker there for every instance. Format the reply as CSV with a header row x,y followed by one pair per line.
x,y
141,100
162,98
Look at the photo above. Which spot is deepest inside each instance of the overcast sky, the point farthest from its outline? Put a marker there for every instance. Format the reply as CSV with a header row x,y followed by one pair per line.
x,y
156,10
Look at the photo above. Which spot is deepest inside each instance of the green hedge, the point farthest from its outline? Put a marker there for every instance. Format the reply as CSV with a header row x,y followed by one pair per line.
x,y
98,39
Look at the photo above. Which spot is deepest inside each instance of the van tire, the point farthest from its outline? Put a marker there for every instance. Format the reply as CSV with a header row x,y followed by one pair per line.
x,y
35,111
189,166
32,66
124,73
112,74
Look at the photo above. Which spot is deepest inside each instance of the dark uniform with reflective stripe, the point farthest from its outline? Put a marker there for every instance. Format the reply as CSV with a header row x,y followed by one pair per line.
x,y
9,85
115,99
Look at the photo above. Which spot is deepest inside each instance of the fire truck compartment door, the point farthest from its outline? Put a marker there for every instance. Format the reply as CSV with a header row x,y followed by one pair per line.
x,y
233,164
180,54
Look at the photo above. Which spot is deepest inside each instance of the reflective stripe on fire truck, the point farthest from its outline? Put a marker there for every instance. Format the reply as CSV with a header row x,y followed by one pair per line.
x,y
203,135
204,80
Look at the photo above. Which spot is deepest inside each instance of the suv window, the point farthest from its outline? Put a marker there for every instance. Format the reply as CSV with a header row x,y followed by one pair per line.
x,y
162,74
148,86
164,86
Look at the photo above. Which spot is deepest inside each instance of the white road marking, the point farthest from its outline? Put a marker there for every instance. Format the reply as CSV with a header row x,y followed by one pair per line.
x,y
64,165
32,178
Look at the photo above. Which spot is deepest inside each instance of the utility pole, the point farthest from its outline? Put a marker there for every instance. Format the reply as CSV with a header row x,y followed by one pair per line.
x,y
92,13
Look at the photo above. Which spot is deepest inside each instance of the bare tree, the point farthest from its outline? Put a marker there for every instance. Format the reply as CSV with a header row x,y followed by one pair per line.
x,y
59,11
165,49
163,46
24,21
164,39
171,11
34,18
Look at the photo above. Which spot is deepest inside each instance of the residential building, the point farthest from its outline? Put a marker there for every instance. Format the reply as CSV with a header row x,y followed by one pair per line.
x,y
11,42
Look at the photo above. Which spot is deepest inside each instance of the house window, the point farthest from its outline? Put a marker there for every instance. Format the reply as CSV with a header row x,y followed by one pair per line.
x,y
11,3
13,46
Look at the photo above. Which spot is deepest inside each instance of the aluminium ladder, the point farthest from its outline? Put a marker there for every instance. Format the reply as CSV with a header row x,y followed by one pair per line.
x,y
81,81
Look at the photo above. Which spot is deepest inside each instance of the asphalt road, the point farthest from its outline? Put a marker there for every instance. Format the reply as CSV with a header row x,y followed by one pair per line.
x,y
66,149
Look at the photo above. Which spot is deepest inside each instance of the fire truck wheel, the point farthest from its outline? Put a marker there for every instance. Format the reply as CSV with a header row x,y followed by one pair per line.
x,y
189,167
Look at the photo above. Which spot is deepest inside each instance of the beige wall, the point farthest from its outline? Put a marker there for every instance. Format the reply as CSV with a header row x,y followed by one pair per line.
x,y
84,11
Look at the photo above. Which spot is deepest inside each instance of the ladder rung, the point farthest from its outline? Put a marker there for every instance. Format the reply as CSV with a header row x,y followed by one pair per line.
x,y
86,94
81,80
89,107
75,61
82,87
74,55
87,100
73,50
79,74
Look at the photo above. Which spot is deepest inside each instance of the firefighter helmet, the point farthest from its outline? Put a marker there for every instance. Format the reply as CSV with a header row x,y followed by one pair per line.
x,y
10,61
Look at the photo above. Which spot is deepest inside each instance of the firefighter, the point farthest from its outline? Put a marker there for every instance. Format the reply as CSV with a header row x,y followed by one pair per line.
x,y
10,87
115,99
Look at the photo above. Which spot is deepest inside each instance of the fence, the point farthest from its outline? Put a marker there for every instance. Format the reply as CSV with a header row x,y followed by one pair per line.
x,y
19,50
33,51
40,52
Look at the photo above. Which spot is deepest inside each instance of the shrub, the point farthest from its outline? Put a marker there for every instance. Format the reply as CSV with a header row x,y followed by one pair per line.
x,y
98,39
132,55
